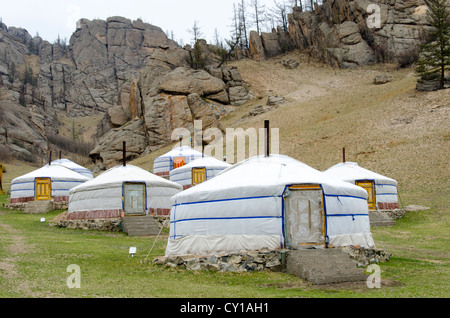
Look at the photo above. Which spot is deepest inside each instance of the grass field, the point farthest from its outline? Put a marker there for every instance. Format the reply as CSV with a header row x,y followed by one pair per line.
x,y
390,129
34,257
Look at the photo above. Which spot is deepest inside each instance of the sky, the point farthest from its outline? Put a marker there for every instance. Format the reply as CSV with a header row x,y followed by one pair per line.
x,y
53,18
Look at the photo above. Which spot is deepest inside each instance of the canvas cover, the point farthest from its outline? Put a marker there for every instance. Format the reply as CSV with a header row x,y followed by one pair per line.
x,y
62,180
101,197
386,193
165,163
243,208
75,167
183,175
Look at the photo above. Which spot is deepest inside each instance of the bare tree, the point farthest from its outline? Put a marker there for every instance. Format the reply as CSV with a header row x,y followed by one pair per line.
x,y
243,24
258,15
279,14
195,32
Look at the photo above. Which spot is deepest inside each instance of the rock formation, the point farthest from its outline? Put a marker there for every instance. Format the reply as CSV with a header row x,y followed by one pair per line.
x,y
346,33
127,70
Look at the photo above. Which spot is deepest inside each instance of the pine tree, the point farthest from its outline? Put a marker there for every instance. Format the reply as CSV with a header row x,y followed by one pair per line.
x,y
434,57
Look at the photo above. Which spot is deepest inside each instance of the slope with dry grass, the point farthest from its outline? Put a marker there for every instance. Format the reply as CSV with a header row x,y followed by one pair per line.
x,y
391,128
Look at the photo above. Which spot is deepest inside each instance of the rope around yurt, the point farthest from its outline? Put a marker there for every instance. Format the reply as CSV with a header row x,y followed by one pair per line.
x,y
156,239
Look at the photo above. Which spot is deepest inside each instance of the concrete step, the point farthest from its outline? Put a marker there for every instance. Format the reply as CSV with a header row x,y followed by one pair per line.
x,y
378,218
38,207
140,225
323,266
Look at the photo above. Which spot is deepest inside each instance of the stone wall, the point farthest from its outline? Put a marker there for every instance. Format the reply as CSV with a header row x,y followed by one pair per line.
x,y
273,260
109,225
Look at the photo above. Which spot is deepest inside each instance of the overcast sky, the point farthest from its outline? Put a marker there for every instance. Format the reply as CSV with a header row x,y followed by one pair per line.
x,y
51,18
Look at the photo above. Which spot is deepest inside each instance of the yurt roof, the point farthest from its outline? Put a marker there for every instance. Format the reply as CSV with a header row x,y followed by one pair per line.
x,y
351,171
72,165
207,162
120,174
181,152
262,175
53,171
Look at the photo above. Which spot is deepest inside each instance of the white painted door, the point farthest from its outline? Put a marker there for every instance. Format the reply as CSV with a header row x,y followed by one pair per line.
x,y
304,218
134,198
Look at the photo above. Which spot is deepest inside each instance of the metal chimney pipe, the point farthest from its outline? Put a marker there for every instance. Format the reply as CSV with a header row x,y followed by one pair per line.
x,y
267,137
50,159
343,155
124,150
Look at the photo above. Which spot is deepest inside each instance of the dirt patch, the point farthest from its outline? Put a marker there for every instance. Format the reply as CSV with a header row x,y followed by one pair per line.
x,y
14,249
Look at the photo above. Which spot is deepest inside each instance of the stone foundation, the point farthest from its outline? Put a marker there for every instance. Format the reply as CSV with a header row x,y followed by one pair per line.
x,y
394,214
100,224
57,205
242,262
110,225
366,256
272,260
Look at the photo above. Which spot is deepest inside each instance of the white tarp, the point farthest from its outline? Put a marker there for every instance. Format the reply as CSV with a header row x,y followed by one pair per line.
x,y
183,175
105,191
247,200
75,167
62,180
165,163
385,188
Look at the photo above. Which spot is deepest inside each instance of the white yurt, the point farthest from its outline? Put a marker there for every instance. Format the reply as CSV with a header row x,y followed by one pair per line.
x,y
382,191
197,171
49,182
75,167
120,191
268,202
175,158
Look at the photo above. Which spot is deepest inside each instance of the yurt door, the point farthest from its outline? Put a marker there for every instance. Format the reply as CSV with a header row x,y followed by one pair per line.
x,y
134,198
178,162
198,176
304,217
42,189
369,186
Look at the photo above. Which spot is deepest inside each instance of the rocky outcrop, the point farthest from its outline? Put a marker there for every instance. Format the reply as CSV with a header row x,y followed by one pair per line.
x,y
346,33
141,81
172,95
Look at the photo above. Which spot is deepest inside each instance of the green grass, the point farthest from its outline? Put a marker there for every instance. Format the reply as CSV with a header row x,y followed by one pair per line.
x,y
34,258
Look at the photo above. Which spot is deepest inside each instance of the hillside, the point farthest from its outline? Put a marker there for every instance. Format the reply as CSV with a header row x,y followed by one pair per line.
x,y
389,128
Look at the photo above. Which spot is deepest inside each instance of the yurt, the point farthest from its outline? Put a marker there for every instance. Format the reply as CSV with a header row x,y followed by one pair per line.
x,y
75,167
49,182
197,171
122,191
175,158
268,202
382,191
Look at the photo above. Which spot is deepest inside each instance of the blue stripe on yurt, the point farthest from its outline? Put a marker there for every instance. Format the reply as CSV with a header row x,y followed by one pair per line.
x,y
227,218
233,199
343,196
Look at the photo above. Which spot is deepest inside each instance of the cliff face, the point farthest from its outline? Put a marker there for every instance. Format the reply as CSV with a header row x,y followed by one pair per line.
x,y
349,33
127,70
